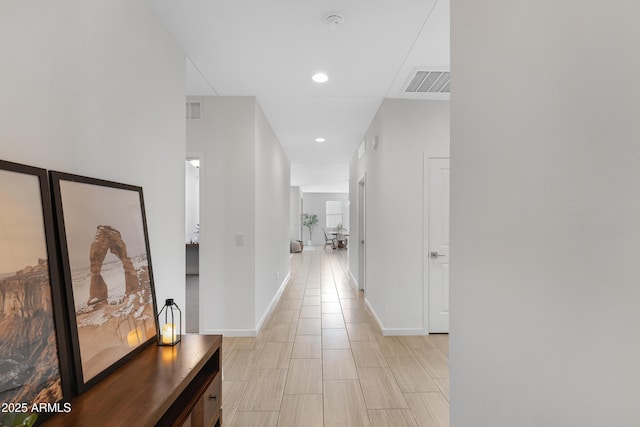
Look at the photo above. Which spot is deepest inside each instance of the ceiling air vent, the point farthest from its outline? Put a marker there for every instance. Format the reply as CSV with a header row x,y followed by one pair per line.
x,y
194,110
425,81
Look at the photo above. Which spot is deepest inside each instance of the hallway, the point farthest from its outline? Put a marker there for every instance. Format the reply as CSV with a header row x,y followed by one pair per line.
x,y
320,360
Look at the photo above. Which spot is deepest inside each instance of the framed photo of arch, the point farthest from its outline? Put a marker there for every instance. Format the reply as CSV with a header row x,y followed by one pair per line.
x,y
106,265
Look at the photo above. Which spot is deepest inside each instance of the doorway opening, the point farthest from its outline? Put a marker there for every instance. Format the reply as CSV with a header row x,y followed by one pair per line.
x,y
192,240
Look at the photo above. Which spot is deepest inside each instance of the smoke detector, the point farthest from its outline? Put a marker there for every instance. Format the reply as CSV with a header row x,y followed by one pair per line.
x,y
334,20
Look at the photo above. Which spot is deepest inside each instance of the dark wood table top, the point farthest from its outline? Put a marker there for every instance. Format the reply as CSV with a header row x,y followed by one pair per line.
x,y
142,390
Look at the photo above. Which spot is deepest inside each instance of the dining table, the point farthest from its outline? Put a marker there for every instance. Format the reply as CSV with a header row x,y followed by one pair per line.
x,y
336,244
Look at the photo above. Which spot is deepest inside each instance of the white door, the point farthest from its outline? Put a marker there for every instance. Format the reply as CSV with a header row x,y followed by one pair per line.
x,y
438,253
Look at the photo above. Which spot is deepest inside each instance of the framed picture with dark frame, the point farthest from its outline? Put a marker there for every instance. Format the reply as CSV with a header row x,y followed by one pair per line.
x,y
106,264
35,375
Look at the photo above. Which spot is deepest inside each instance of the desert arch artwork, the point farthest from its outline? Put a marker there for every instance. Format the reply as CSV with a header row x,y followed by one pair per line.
x,y
109,239
107,271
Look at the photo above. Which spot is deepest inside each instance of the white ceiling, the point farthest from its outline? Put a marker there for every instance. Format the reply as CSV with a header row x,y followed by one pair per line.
x,y
270,49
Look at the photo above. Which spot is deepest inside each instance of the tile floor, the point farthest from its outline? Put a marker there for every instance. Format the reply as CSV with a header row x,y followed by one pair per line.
x,y
320,360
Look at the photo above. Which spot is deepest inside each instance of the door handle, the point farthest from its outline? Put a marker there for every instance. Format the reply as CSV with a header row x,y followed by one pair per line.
x,y
436,255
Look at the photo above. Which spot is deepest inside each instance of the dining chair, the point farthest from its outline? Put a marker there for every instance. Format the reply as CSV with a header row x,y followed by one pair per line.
x,y
329,240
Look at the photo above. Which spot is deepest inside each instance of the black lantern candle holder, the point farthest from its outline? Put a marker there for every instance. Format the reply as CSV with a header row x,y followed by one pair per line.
x,y
168,330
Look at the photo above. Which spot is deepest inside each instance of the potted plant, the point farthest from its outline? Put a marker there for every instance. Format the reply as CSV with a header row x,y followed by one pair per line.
x,y
310,221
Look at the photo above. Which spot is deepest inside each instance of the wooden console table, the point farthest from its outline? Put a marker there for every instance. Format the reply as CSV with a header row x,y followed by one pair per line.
x,y
163,386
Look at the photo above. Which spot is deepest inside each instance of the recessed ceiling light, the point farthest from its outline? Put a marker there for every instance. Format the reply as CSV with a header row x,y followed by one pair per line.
x,y
320,78
319,140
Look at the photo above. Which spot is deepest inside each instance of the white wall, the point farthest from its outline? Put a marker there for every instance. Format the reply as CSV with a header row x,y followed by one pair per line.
x,y
315,203
97,89
242,166
272,182
295,200
226,137
545,206
407,132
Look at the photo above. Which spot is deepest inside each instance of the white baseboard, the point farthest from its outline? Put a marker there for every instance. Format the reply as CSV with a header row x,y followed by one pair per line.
x,y
357,286
375,316
273,301
251,332
388,332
